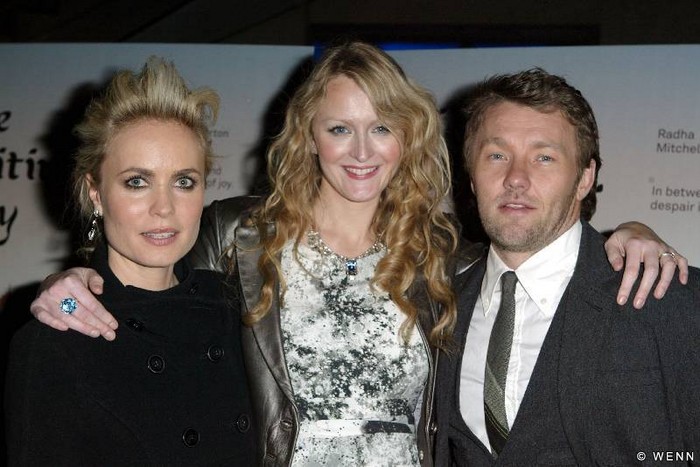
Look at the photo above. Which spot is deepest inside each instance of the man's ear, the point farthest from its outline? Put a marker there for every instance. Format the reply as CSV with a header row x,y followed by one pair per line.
x,y
586,182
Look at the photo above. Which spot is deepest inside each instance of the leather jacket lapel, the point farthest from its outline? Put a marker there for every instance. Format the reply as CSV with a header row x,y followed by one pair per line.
x,y
247,255
267,331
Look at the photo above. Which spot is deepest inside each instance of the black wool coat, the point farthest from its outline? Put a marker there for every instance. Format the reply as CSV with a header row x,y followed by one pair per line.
x,y
170,390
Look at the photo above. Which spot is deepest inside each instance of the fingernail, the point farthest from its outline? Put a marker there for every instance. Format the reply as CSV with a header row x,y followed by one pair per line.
x,y
113,325
639,303
110,335
621,299
94,333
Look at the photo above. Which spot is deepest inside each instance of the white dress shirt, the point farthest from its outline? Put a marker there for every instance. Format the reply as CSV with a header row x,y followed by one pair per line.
x,y
542,280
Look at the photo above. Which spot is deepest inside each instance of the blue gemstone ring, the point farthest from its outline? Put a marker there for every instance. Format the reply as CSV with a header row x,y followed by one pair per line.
x,y
69,305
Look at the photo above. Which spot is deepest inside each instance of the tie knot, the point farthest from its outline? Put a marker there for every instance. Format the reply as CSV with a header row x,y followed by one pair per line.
x,y
508,281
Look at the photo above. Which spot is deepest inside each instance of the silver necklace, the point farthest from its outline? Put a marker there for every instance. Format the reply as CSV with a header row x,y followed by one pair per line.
x,y
317,244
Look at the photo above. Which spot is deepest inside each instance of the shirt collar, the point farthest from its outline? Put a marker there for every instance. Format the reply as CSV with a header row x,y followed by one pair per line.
x,y
541,276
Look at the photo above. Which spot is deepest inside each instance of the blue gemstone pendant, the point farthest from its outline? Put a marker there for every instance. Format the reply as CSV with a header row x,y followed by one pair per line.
x,y
351,267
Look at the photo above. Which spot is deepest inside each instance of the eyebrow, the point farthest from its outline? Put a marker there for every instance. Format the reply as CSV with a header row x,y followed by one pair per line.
x,y
500,142
150,173
187,171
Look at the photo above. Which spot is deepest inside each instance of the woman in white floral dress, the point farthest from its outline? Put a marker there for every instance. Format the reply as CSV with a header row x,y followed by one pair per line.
x,y
359,174
343,271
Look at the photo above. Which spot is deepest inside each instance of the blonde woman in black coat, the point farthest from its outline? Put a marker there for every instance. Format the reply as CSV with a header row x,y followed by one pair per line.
x,y
171,390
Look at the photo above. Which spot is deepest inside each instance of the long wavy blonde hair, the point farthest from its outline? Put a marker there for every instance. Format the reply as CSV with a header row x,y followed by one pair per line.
x,y
418,234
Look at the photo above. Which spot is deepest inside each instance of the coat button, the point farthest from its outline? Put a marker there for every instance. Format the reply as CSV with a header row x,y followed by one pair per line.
x,y
243,423
193,289
134,324
286,424
190,437
432,428
156,364
214,353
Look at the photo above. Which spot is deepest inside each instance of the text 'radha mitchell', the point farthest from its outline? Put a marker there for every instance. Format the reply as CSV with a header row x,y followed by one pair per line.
x,y
678,141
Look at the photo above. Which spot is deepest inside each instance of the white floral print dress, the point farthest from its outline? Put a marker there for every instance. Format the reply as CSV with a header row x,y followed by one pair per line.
x,y
356,383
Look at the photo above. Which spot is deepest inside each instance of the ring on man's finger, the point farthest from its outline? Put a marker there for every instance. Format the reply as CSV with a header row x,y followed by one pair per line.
x,y
68,305
670,253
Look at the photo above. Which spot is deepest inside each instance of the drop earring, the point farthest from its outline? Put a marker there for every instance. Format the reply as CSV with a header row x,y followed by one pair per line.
x,y
93,225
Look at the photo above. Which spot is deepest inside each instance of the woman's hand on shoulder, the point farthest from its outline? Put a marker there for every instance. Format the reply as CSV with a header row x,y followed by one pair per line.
x,y
633,244
89,317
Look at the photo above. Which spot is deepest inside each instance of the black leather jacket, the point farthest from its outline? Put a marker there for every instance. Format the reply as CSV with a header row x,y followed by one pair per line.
x,y
275,415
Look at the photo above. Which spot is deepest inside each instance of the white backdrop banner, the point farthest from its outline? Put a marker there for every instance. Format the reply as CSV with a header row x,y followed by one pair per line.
x,y
646,100
647,103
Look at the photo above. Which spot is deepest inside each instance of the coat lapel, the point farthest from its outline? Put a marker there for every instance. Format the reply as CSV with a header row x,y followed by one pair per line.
x,y
267,331
587,305
468,288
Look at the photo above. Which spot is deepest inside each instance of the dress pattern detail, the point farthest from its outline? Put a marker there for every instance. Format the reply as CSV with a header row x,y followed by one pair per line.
x,y
356,382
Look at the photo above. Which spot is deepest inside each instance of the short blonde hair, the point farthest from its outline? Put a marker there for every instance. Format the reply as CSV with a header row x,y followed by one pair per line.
x,y
156,92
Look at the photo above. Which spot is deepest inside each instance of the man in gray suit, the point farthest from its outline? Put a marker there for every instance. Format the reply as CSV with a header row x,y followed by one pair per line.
x,y
548,369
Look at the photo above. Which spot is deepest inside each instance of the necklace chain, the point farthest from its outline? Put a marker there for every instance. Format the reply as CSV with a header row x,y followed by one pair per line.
x,y
317,244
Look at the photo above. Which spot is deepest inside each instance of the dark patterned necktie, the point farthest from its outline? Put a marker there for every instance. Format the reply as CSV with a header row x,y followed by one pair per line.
x,y
497,359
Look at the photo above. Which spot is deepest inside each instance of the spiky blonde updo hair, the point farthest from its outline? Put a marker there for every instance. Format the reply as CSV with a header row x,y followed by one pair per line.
x,y
419,236
157,92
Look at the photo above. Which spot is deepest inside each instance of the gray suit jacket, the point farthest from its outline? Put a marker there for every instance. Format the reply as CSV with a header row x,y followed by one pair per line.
x,y
610,381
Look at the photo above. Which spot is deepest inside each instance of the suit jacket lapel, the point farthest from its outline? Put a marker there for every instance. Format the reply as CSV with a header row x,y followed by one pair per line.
x,y
467,287
587,306
267,332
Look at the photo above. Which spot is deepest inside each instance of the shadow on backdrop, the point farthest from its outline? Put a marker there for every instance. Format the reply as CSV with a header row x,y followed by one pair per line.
x,y
464,200
271,125
59,144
